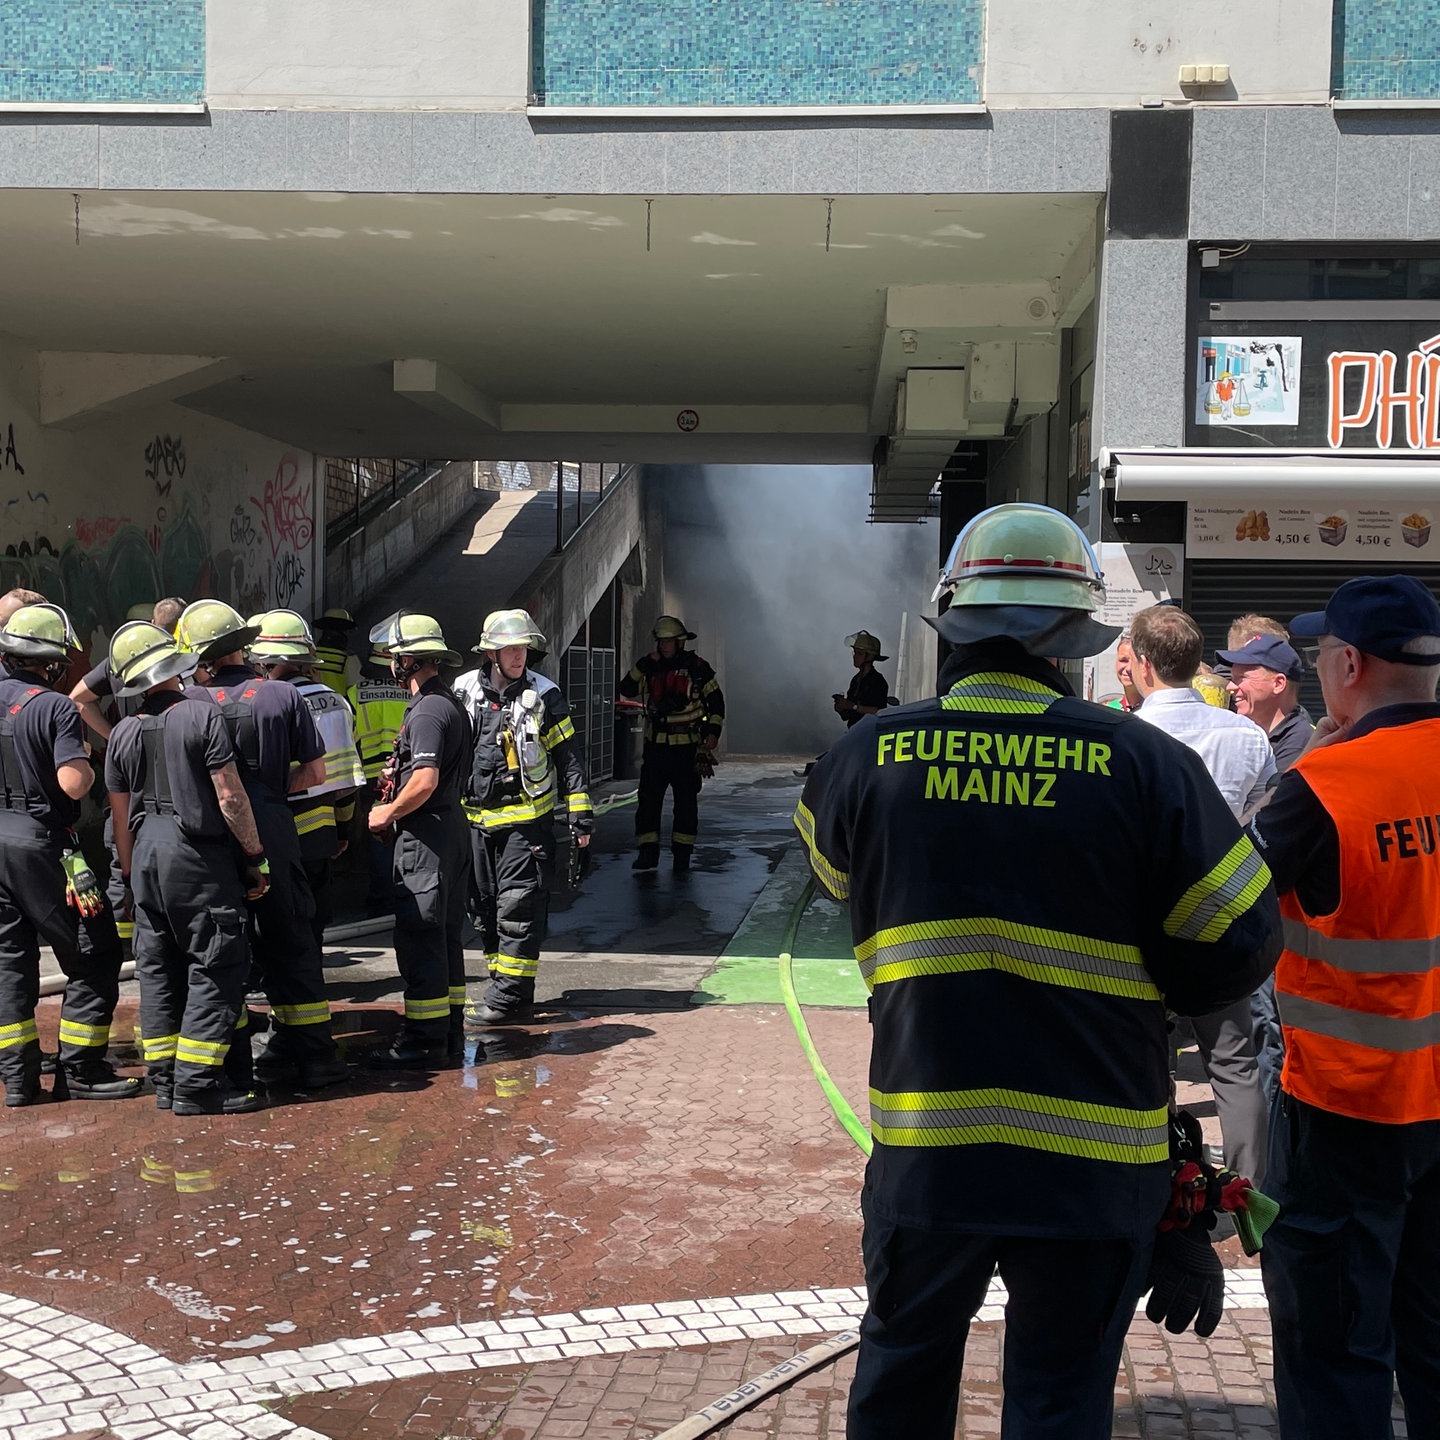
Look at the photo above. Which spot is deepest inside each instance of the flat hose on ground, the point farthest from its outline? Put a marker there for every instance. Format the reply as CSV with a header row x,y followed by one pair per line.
x,y
721,1412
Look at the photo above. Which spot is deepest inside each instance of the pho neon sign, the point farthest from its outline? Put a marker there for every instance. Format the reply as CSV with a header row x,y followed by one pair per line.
x,y
1388,386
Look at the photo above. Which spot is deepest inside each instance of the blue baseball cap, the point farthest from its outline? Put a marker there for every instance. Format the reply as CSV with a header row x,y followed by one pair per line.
x,y
1377,615
1267,650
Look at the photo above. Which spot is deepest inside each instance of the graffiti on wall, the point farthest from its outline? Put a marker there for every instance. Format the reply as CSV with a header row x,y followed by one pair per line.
x,y
164,461
285,516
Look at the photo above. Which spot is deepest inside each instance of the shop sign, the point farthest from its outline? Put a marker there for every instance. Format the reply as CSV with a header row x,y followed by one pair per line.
x,y
1136,576
1398,400
1281,525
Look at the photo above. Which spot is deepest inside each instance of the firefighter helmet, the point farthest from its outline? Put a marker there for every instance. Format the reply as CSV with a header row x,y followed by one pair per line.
x,y
335,618
284,635
510,627
866,644
1022,554
209,629
38,632
667,627
144,655
407,632
141,611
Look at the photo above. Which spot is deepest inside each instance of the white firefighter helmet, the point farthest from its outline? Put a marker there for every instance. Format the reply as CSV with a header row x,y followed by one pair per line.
x,y
510,627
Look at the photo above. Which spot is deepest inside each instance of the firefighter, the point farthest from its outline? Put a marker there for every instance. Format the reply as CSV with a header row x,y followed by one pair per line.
x,y
1352,1267
335,665
525,761
421,800
380,703
684,714
48,893
278,752
285,650
1031,879
869,692
180,812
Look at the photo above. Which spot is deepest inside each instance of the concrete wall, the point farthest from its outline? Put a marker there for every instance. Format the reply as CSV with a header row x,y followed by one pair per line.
x,y
1096,52
475,54
368,54
161,501
390,542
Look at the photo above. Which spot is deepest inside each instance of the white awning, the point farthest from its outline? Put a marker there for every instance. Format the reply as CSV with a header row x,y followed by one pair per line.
x,y
1219,475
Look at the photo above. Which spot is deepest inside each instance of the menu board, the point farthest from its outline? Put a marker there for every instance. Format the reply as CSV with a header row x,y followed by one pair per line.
x,y
1136,576
1284,527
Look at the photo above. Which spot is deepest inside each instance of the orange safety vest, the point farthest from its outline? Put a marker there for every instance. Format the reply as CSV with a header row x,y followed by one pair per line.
x,y
1359,989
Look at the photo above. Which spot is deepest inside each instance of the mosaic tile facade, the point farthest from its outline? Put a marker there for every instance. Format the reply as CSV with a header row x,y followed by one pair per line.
x,y
758,52
113,52
1386,50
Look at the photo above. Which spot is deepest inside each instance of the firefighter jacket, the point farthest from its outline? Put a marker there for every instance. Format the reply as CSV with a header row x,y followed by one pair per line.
x,y
1032,879
526,757
379,714
1357,986
338,668
682,698
321,809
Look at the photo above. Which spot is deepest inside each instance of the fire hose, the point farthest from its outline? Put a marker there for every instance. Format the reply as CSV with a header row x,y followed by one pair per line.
x,y
720,1413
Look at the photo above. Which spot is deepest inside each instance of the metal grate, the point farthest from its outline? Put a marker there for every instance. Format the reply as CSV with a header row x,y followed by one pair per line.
x,y
589,681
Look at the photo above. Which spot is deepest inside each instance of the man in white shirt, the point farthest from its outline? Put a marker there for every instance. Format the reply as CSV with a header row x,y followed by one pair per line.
x,y
1167,645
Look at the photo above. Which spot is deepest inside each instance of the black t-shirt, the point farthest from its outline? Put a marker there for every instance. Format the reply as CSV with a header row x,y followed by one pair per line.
x,y
48,733
435,736
1289,739
283,727
197,743
868,687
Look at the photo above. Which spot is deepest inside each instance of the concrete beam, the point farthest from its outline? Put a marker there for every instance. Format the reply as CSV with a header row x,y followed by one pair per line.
x,y
78,388
439,389
698,419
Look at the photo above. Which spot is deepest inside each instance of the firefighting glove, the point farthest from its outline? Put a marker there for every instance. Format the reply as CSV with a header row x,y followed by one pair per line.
x,y
1187,1281
82,890
257,877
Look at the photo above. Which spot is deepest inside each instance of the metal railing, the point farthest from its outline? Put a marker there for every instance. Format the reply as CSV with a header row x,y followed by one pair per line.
x,y
356,490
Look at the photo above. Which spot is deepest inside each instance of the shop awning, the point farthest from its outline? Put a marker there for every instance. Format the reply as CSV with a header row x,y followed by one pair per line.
x,y
1219,475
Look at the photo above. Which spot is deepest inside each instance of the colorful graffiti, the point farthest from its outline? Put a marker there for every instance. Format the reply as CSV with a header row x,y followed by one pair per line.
x,y
285,514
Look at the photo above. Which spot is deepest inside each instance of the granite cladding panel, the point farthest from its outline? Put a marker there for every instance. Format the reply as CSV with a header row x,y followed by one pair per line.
x,y
757,52
1386,50
112,52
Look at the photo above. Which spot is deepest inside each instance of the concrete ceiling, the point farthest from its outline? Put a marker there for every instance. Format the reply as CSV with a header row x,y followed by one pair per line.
x,y
538,326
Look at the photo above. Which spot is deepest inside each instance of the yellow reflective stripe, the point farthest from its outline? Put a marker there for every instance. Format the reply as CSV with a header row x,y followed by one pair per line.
x,y
428,1009
315,817
194,1182
677,838
155,1171
984,942
345,813
514,965
835,880
244,1020
315,1012
21,1033
1215,901
578,802
160,1047
202,1052
74,1032
997,692
650,837
458,995
709,687
561,731
125,929
1015,1117
503,815
344,765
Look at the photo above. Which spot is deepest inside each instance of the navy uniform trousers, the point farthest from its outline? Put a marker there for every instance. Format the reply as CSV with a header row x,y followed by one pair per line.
x,y
513,867
668,767
33,912
432,886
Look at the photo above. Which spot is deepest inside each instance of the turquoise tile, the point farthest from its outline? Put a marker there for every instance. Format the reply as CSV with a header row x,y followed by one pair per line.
x,y
757,52
103,51
1386,50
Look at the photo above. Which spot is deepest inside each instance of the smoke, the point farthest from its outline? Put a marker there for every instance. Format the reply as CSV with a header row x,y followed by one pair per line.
x,y
774,566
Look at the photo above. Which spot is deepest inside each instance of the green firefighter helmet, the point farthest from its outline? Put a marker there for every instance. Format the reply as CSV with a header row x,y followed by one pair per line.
x,y
209,629
1023,554
145,655
284,635
337,617
510,627
407,632
142,610
668,627
866,644
39,632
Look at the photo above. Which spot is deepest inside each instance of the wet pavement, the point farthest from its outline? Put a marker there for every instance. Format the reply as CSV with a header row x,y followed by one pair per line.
x,y
603,1221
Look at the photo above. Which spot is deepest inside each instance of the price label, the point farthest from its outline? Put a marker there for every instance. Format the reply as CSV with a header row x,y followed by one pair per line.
x,y
1290,537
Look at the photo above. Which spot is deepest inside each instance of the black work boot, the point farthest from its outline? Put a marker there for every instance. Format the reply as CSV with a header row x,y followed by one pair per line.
x,y
277,1065
95,1079
216,1100
680,858
415,1052
22,1086
648,857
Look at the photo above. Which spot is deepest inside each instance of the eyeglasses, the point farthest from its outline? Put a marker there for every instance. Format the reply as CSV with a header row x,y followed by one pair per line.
x,y
1310,654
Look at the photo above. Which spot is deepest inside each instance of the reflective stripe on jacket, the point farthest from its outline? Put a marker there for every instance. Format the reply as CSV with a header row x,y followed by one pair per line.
x,y
335,721
1359,989
1030,880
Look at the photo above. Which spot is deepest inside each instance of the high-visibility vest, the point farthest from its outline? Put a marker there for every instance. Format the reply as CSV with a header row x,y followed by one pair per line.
x,y
337,668
1359,990
379,714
